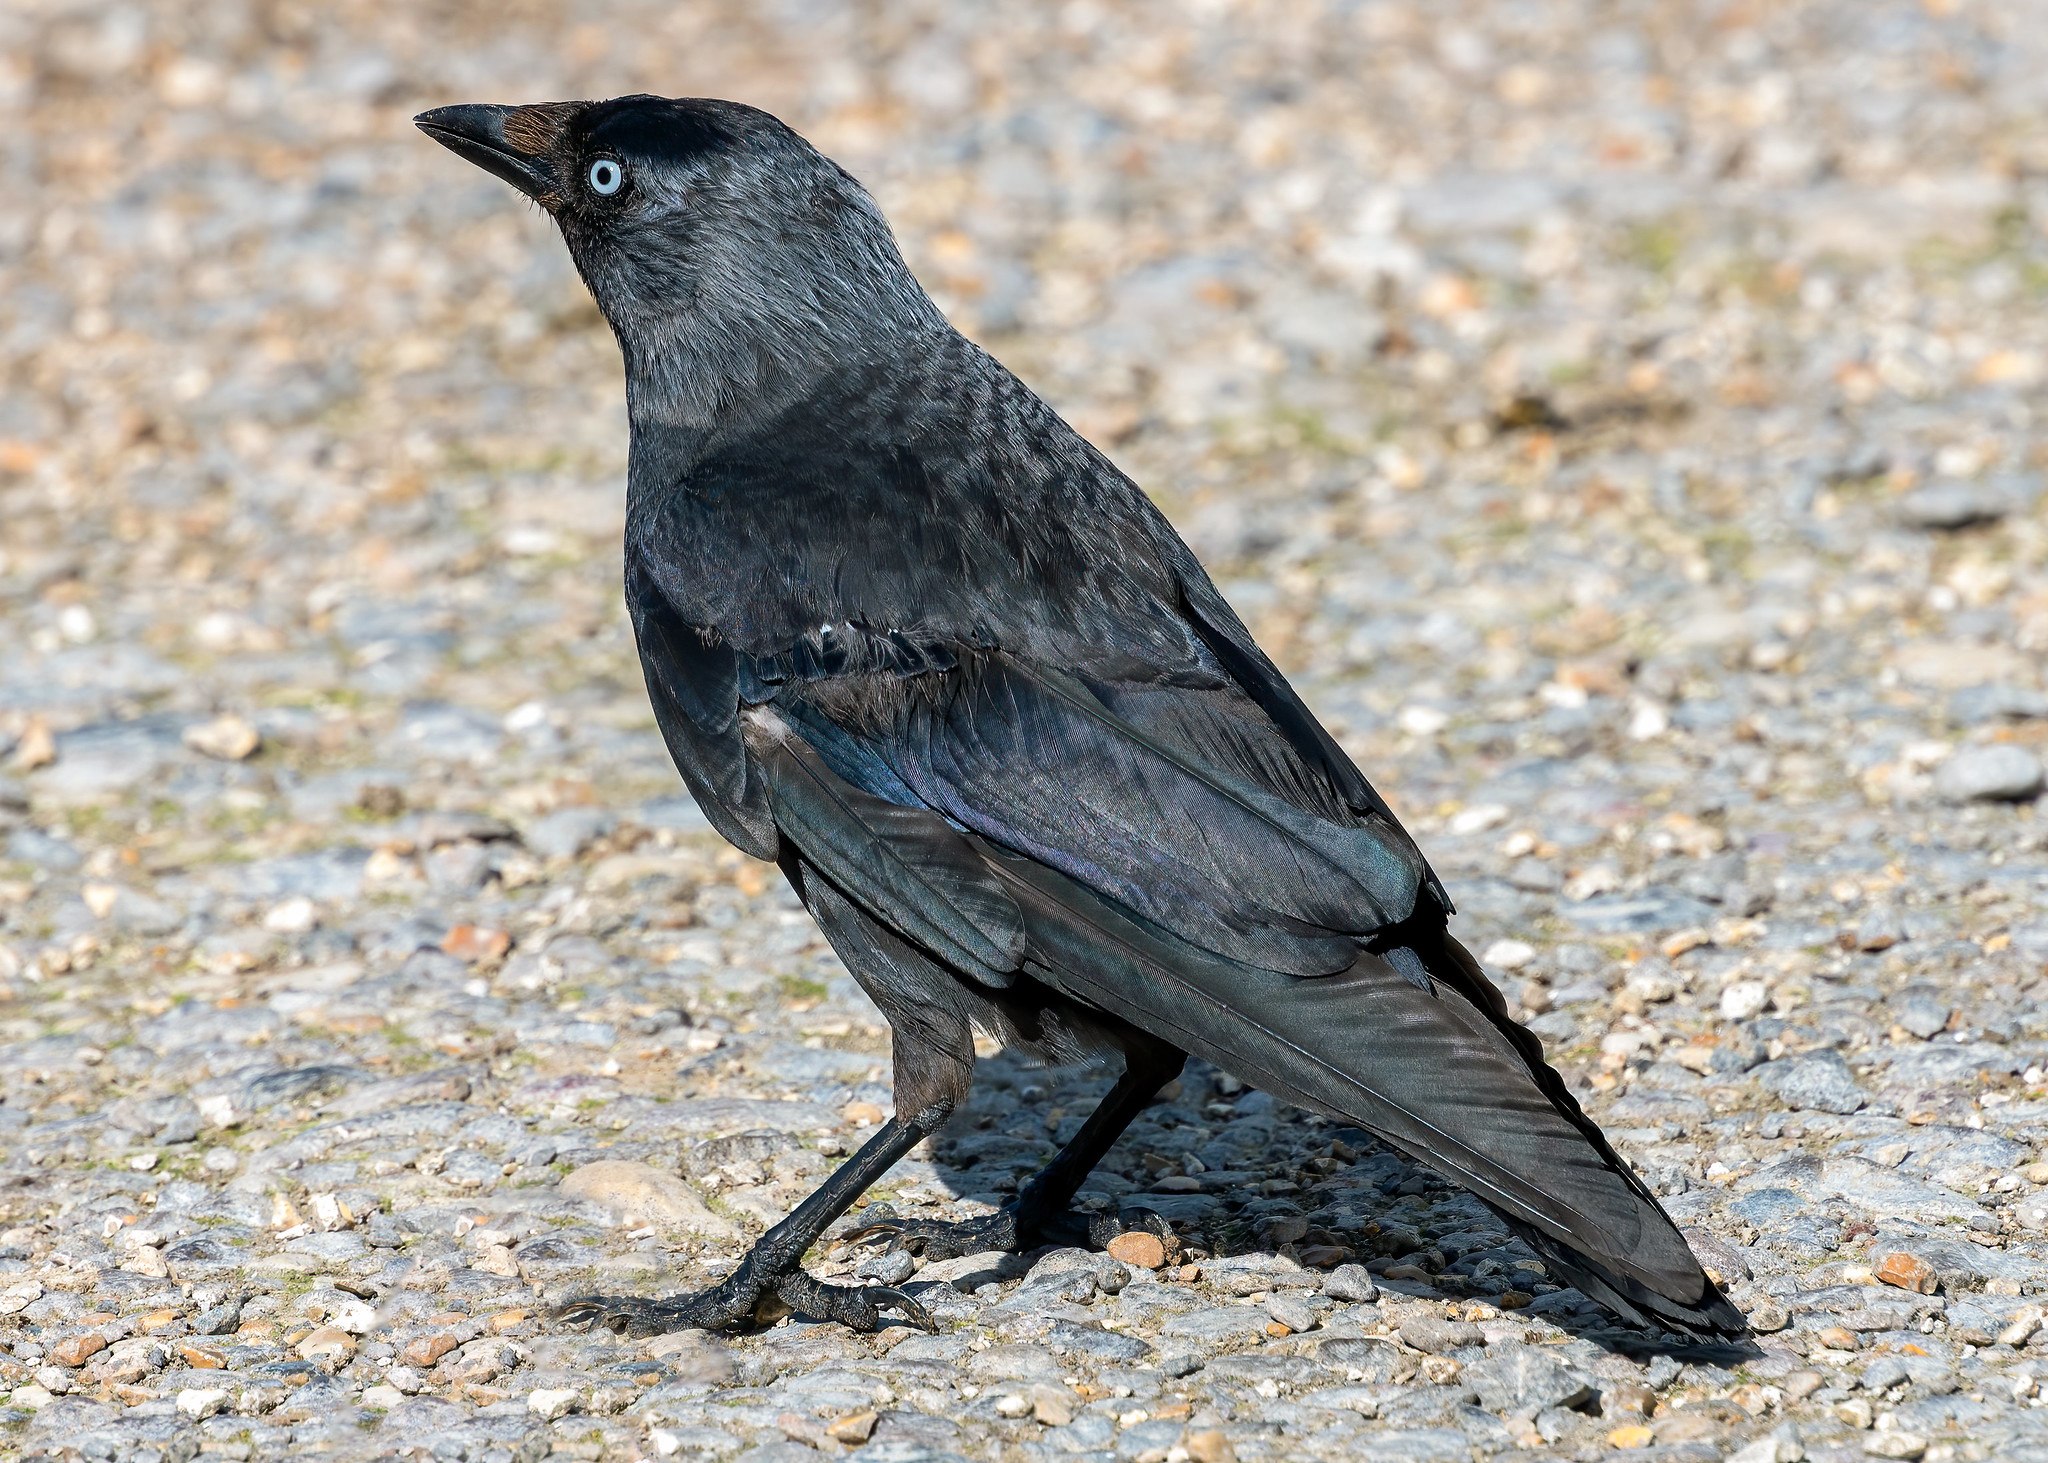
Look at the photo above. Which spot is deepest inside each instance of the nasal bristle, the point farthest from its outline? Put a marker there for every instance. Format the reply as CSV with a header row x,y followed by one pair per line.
x,y
533,128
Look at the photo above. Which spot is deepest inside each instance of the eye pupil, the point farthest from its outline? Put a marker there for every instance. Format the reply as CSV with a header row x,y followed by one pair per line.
x,y
606,176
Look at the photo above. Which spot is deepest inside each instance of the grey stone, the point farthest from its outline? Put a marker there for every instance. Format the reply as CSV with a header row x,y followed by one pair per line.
x,y
449,733
40,850
566,832
1424,1445
890,1267
1521,1381
110,758
1813,1082
218,1320
1292,1312
328,1248
1999,772
1651,910
1953,505
1350,1283
1217,1324
1434,1334
1922,1010
1975,705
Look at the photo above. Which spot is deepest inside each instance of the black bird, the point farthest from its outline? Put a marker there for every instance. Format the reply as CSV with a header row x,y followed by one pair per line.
x,y
911,637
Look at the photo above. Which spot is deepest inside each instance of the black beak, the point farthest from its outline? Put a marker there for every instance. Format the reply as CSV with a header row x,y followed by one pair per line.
x,y
477,131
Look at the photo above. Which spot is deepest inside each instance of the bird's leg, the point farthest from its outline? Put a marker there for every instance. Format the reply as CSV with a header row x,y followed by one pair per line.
x,y
772,1269
1040,1214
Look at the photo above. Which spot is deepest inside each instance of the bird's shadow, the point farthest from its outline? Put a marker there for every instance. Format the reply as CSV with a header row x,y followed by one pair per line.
x,y
1339,1187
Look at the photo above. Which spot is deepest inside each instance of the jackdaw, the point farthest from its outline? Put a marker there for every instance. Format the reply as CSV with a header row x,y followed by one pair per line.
x,y
911,637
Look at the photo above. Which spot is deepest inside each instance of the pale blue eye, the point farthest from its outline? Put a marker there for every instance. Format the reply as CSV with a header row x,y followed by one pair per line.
x,y
606,177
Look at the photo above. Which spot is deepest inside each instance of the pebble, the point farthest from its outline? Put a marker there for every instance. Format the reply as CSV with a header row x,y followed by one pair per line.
x,y
424,1351
1138,1248
76,1351
1953,505
1999,773
1291,1312
638,1194
225,738
1813,1082
327,1343
1743,999
200,1403
1350,1283
1907,1272
1522,1381
1437,1335
549,1403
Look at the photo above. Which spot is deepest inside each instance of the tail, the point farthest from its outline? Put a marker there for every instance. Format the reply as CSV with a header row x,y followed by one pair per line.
x,y
1434,1066
1702,1313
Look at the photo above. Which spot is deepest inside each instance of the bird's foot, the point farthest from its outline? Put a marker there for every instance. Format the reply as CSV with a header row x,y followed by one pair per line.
x,y
745,1298
1014,1228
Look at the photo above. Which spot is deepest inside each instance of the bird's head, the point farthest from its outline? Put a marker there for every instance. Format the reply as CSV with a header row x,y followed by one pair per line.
x,y
733,260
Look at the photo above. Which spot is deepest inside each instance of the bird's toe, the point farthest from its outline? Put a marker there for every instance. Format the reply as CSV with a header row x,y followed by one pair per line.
x,y
857,1307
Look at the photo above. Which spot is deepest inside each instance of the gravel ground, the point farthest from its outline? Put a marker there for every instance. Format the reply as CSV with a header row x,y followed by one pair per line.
x,y
1621,420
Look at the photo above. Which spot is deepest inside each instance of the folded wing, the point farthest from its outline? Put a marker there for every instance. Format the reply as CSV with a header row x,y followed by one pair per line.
x,y
1187,850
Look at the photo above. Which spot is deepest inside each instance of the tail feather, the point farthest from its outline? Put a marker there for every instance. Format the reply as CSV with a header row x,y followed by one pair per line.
x,y
1439,1072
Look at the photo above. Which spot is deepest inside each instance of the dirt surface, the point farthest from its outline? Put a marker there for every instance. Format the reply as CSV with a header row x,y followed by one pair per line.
x,y
1621,420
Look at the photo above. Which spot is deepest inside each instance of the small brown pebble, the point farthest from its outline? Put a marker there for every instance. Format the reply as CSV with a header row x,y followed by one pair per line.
x,y
854,1428
1209,1446
327,1342
1138,1248
78,1349
475,943
1276,1329
1323,1257
1513,1300
1908,1272
225,739
156,1320
426,1350
204,1358
864,1114
503,1321
1836,1338
37,748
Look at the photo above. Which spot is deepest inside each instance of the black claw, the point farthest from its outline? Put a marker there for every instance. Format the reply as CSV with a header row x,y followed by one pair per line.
x,y
913,1311
867,1233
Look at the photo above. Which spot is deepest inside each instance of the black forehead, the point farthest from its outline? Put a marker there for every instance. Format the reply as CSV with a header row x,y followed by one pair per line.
x,y
658,129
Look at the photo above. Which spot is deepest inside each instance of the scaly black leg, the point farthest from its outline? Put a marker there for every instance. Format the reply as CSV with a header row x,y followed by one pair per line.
x,y
1040,1214
772,1267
